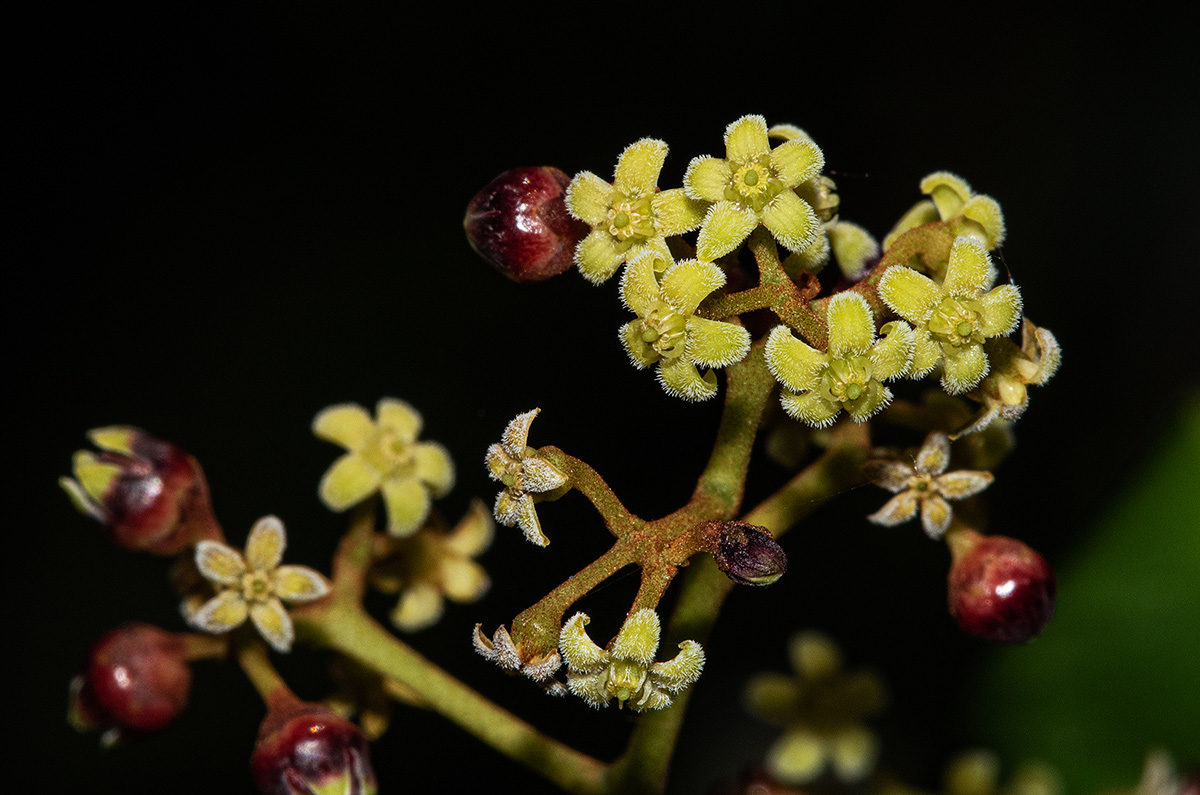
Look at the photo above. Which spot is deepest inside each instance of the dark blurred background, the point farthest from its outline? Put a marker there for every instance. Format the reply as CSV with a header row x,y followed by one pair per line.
x,y
225,220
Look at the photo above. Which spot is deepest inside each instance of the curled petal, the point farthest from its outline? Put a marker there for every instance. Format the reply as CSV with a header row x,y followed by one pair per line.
x,y
716,343
507,508
926,353
638,167
590,687
810,408
597,257
963,483
985,211
539,476
1001,311
419,607
497,461
527,519
273,623
220,563
434,467
853,247
897,510
500,648
892,355
346,424
934,455
948,191
588,198
910,294
652,698
222,613
791,221
689,282
935,515
577,647
676,674
793,363
851,325
963,368
638,638
407,501
516,434
676,213
706,178
968,268
746,139
639,286
264,548
350,480
541,669
680,378
796,161
299,584
725,226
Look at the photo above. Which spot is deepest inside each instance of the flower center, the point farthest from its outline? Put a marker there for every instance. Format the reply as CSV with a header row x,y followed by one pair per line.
x,y
665,330
630,220
752,184
257,586
625,679
956,322
846,379
389,453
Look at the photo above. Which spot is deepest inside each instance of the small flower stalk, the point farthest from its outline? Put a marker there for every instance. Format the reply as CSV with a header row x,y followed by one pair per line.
x,y
849,375
524,475
384,456
667,331
253,585
924,485
305,749
149,494
626,670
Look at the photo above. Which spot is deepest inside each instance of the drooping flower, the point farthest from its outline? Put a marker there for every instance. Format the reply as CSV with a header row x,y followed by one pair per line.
x,y
754,185
924,484
626,670
384,455
849,374
432,565
523,474
951,197
667,331
952,320
821,709
1004,392
512,656
254,585
631,215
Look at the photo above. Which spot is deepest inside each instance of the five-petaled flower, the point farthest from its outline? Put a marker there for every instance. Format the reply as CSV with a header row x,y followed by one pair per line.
x,y
953,319
924,484
631,215
523,474
627,670
754,185
667,330
384,455
254,584
849,374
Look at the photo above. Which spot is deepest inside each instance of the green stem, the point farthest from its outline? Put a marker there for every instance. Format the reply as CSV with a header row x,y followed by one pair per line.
x,y
256,663
350,631
588,482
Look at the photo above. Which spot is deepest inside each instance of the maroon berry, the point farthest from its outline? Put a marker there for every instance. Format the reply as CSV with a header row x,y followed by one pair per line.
x,y
746,553
999,588
136,681
304,748
519,223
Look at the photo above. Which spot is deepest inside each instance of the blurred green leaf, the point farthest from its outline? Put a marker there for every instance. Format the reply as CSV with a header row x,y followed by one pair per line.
x,y
1117,673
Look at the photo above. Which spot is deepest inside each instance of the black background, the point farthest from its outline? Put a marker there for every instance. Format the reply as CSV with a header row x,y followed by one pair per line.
x,y
224,221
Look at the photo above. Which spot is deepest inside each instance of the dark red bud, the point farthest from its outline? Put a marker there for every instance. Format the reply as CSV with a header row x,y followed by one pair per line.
x,y
519,223
136,681
304,748
999,588
746,553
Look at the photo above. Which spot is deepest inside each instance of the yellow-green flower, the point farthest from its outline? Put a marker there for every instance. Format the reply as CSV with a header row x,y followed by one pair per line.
x,y
951,197
952,320
821,709
433,565
1004,393
667,331
754,185
925,484
523,473
849,374
627,670
631,215
384,455
253,585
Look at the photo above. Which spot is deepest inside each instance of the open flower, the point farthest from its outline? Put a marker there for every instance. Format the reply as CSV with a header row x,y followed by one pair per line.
x,y
627,670
667,330
631,215
523,474
924,484
754,185
821,709
384,455
952,320
849,374
432,565
254,584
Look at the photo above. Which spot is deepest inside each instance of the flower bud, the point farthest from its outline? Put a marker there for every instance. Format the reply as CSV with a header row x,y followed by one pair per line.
x,y
746,553
151,495
136,681
519,223
304,748
999,588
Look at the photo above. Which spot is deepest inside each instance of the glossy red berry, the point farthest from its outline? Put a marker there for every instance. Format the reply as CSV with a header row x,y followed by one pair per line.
x,y
136,681
519,223
304,748
999,588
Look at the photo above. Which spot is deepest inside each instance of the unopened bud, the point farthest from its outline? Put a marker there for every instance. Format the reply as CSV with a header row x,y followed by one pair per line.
x,y
999,588
519,223
307,748
746,553
151,495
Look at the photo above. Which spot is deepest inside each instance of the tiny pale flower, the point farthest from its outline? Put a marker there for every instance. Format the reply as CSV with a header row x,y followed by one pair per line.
x,y
667,331
849,374
952,320
385,456
754,185
254,585
631,215
502,650
627,670
523,473
1004,392
924,484
821,708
